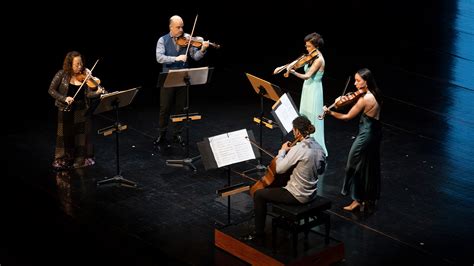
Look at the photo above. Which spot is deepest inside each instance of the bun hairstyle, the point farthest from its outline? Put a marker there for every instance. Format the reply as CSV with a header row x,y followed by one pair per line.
x,y
303,124
316,39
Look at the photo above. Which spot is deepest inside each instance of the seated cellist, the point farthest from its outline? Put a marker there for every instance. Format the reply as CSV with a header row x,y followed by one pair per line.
x,y
307,159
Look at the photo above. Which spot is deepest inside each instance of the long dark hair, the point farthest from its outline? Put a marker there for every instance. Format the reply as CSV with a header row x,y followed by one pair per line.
x,y
67,64
303,124
367,75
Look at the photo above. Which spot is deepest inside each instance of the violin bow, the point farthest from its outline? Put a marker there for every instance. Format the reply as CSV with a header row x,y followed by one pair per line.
x,y
321,116
192,32
85,80
344,91
243,175
260,148
347,84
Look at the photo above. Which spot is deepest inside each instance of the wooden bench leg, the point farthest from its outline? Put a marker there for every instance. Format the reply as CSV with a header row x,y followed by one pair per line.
x,y
306,230
294,227
295,241
327,227
274,233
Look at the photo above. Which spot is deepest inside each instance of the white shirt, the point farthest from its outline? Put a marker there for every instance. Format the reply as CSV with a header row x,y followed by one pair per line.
x,y
310,161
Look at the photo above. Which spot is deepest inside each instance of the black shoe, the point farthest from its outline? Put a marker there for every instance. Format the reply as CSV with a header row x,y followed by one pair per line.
x,y
254,237
179,139
161,141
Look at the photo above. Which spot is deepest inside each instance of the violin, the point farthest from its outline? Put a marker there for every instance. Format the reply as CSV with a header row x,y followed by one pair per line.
x,y
271,177
299,62
92,82
195,41
348,98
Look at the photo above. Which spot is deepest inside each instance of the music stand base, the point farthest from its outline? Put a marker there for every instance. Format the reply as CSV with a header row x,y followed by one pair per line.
x,y
117,180
187,162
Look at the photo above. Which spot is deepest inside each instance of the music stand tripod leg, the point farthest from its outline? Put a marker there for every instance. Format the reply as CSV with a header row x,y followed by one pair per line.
x,y
116,129
187,162
117,180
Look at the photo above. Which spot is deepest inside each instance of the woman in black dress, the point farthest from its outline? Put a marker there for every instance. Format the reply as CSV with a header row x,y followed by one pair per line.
x,y
362,178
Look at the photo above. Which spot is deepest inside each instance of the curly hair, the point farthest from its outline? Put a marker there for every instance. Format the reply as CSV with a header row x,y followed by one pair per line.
x,y
67,64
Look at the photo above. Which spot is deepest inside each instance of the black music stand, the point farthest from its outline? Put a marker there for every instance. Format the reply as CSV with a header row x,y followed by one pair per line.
x,y
268,90
210,162
284,111
108,102
185,77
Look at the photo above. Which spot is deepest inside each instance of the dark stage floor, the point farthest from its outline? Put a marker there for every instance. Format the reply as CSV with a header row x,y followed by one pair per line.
x,y
424,216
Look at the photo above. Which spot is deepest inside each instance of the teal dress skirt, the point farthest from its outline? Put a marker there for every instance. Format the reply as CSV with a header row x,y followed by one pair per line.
x,y
362,178
311,105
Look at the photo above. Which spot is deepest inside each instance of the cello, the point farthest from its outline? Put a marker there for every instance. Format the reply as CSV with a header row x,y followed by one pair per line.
x,y
271,177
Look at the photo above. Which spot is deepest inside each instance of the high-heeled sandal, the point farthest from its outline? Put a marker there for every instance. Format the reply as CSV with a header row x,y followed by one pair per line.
x,y
354,205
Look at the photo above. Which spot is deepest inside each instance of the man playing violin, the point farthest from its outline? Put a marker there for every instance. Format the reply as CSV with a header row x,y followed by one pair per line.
x,y
173,56
362,178
307,161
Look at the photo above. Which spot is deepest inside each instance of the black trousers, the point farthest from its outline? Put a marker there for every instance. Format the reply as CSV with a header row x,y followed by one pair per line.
x,y
169,98
264,196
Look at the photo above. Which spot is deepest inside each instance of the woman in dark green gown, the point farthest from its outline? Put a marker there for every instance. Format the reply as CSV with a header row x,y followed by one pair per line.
x,y
362,178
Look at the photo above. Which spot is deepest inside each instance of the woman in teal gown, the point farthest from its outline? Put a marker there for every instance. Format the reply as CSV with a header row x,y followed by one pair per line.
x,y
311,103
362,178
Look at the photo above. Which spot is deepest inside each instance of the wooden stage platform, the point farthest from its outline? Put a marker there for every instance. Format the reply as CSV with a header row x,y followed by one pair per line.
x,y
312,251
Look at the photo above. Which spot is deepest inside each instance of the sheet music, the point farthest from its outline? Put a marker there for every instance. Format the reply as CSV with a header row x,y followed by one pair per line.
x,y
197,76
232,147
286,112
